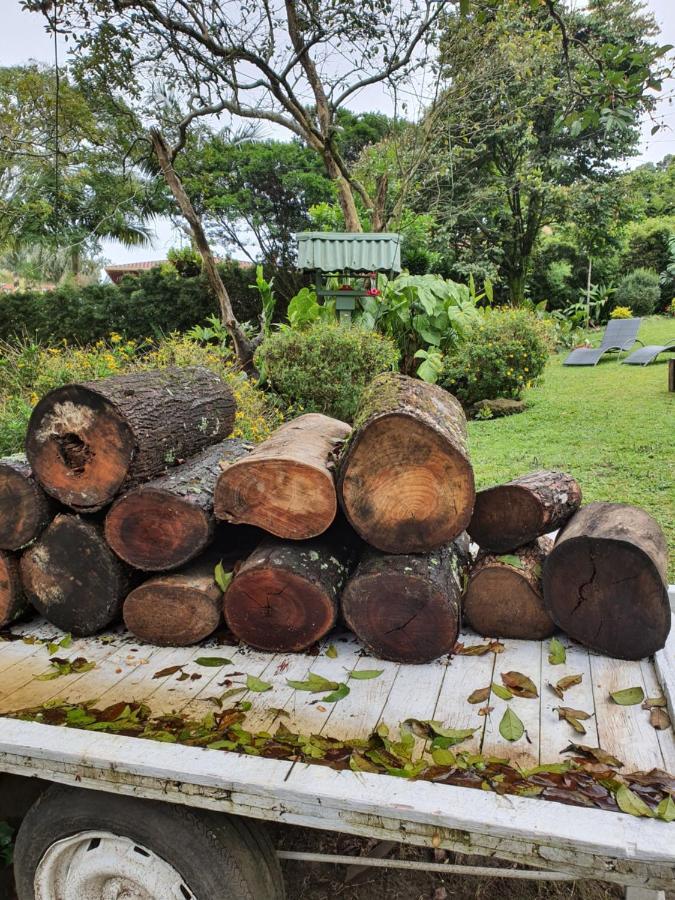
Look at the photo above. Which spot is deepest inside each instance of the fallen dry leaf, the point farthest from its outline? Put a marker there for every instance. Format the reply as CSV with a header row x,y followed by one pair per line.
x,y
659,718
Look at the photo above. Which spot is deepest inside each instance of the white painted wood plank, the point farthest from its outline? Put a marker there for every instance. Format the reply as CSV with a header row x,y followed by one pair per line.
x,y
464,675
413,698
665,737
623,730
14,653
523,657
556,734
664,665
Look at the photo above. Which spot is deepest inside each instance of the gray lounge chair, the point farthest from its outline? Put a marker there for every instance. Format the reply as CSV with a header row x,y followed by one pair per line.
x,y
620,334
644,355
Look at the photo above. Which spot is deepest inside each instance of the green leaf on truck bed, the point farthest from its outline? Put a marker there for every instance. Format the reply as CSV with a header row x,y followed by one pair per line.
x,y
628,696
213,661
365,674
256,684
510,727
666,809
339,694
629,802
314,683
221,577
556,653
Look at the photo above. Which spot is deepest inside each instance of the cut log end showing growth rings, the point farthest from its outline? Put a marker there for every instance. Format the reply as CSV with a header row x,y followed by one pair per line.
x,y
286,485
405,481
12,600
73,578
509,515
605,581
285,596
504,595
87,441
166,522
407,607
25,509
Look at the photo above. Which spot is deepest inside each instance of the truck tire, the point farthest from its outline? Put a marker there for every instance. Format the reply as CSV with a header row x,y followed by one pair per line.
x,y
75,842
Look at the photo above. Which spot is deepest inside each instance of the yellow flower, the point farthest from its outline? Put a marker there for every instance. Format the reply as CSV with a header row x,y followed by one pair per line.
x,y
115,338
33,398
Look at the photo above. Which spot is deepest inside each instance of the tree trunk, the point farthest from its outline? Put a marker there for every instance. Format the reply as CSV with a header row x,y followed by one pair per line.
x,y
345,194
605,581
516,283
286,485
407,608
405,481
285,596
179,608
86,442
165,523
509,515
243,347
73,578
13,602
25,509
589,275
504,595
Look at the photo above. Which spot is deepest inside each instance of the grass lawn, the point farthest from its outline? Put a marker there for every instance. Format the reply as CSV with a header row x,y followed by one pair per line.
x,y
611,426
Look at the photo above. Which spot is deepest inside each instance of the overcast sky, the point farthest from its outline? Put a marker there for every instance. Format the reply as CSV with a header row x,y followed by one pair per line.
x,y
23,37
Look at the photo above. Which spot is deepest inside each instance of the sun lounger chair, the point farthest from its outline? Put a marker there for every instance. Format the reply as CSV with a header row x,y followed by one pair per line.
x,y
620,334
644,355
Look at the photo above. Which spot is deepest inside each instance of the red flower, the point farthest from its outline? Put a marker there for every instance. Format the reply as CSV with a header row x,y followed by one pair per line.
x,y
373,292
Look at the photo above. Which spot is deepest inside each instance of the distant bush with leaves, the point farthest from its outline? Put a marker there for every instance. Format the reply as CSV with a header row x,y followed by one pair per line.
x,y
639,290
324,368
28,370
502,355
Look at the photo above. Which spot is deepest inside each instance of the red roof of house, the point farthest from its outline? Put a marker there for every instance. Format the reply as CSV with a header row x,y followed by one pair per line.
x,y
117,272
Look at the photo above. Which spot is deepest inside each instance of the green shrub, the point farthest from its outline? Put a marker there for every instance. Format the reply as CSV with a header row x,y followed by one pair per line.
x,y
621,312
501,356
325,367
647,245
640,291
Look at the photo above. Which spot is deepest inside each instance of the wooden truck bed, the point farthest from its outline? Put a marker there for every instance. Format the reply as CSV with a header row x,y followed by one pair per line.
x,y
583,842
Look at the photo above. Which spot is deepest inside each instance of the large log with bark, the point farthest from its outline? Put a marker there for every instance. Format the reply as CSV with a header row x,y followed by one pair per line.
x,y
286,485
407,607
25,509
405,481
509,515
13,602
605,581
285,596
166,522
87,442
73,578
504,597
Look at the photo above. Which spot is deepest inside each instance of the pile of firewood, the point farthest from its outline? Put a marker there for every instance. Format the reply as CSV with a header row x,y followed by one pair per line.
x,y
134,501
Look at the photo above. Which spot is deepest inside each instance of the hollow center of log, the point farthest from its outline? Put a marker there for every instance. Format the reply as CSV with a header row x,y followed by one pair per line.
x,y
74,452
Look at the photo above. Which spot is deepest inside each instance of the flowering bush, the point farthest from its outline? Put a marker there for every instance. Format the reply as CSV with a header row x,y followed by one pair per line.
x,y
504,353
621,312
28,370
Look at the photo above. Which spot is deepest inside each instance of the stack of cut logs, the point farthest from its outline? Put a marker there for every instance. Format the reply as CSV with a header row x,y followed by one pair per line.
x,y
134,501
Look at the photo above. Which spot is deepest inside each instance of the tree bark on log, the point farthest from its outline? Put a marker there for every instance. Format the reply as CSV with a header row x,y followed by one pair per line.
x,y
407,608
165,523
25,509
509,515
285,596
73,578
13,602
286,485
605,581
504,595
405,481
86,442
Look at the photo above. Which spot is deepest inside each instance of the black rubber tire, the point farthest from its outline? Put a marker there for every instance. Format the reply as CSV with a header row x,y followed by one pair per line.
x,y
219,857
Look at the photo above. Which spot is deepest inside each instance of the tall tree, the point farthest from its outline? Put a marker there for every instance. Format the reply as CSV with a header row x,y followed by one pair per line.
x,y
520,123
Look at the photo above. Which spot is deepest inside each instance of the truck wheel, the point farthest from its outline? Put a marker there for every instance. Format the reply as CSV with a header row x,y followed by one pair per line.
x,y
75,843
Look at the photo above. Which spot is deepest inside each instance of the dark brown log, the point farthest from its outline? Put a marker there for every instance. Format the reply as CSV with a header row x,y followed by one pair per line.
x,y
605,581
13,602
286,485
407,608
25,509
285,596
86,442
73,578
405,481
504,595
509,515
165,523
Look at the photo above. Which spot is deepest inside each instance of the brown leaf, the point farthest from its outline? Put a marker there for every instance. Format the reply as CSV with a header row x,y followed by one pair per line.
x,y
595,753
651,702
659,718
520,685
572,716
164,673
480,695
485,710
478,649
564,684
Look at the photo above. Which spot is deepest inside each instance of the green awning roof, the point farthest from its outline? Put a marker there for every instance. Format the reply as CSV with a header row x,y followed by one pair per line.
x,y
334,251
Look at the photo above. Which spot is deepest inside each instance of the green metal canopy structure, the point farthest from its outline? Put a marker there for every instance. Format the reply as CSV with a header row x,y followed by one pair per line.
x,y
335,251
345,257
